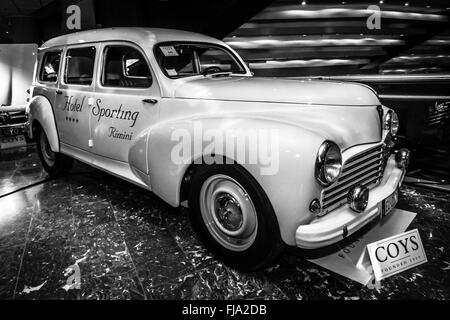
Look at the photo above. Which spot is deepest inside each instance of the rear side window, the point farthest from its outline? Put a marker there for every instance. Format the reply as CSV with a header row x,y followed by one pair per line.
x,y
125,66
50,67
80,66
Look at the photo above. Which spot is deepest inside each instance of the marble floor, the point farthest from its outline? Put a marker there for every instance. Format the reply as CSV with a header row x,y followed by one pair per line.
x,y
125,243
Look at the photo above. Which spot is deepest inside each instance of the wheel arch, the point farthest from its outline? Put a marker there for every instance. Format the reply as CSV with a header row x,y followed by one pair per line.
x,y
290,190
189,170
40,114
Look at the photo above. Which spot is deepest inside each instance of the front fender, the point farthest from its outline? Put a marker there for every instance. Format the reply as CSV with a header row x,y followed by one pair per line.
x,y
39,110
289,184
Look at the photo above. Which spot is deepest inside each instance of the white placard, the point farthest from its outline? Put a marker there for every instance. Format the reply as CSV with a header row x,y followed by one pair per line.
x,y
12,141
396,254
352,261
169,51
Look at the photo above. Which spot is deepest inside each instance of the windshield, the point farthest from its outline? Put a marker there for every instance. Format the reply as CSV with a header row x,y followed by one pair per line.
x,y
189,59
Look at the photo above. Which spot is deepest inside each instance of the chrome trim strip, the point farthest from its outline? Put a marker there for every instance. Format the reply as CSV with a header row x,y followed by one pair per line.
x,y
368,159
13,126
339,188
346,186
383,78
332,205
412,97
364,168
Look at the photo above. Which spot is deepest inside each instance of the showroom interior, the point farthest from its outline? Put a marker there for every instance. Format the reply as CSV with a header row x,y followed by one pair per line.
x,y
124,242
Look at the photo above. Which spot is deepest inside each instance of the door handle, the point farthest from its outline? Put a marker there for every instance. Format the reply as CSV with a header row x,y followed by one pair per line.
x,y
59,92
152,101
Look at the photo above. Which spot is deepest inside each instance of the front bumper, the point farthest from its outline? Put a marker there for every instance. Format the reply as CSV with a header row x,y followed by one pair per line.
x,y
13,120
343,222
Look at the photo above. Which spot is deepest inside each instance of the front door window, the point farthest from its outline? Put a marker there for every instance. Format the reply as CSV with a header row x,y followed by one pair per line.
x,y
119,112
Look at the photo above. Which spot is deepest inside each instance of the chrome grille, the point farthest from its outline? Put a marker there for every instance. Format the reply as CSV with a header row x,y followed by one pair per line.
x,y
365,169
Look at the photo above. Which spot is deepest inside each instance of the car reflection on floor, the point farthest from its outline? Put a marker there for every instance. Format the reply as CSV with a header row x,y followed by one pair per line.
x,y
128,244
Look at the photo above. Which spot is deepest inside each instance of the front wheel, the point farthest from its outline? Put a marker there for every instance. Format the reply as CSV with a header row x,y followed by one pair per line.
x,y
234,217
54,163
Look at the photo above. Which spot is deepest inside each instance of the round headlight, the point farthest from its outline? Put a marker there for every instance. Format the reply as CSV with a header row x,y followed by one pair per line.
x,y
391,122
394,124
328,163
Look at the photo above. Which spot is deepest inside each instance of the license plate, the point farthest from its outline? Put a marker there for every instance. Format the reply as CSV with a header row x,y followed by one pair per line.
x,y
8,132
388,204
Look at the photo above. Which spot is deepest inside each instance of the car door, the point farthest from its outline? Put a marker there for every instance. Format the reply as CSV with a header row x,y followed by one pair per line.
x,y
47,77
126,99
74,95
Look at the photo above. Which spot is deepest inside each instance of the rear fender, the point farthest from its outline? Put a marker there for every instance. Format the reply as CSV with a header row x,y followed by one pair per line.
x,y
39,111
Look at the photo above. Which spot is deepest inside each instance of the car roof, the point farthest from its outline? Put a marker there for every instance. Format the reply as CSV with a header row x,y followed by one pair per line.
x,y
137,35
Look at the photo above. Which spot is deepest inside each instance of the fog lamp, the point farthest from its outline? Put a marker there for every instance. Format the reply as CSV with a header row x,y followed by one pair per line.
x,y
402,158
358,198
315,206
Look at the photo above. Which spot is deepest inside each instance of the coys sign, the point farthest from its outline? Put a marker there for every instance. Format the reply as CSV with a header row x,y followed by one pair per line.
x,y
396,254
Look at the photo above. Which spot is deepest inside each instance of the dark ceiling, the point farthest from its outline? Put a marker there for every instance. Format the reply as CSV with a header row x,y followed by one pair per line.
x,y
284,37
11,8
292,38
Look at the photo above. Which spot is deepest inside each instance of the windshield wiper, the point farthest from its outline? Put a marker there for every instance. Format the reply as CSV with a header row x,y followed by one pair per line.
x,y
218,74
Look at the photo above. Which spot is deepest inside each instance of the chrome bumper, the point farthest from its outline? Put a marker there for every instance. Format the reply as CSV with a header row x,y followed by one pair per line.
x,y
343,222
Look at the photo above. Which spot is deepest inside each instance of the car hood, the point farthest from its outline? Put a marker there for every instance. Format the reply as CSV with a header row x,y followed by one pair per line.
x,y
347,127
256,89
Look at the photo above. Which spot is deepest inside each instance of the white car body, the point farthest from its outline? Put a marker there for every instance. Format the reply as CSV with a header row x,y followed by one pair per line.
x,y
306,113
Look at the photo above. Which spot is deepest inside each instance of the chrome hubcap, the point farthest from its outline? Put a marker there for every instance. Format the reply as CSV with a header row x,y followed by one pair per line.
x,y
47,153
228,212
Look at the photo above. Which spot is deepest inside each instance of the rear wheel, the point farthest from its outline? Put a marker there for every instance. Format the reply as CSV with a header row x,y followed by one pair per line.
x,y
54,163
234,217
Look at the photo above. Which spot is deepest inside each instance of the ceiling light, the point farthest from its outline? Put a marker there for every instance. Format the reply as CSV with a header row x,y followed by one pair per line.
x,y
260,43
342,12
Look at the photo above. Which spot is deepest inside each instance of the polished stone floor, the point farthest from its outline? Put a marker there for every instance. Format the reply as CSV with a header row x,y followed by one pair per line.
x,y
128,244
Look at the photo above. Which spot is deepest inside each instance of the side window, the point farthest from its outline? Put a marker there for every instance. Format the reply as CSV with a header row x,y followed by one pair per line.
x,y
79,66
125,66
50,67
217,59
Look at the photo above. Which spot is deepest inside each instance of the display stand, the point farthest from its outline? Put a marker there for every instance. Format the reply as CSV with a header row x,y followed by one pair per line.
x,y
353,261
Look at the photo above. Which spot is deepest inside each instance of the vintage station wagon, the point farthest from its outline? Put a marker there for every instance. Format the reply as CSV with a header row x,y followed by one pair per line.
x,y
122,99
